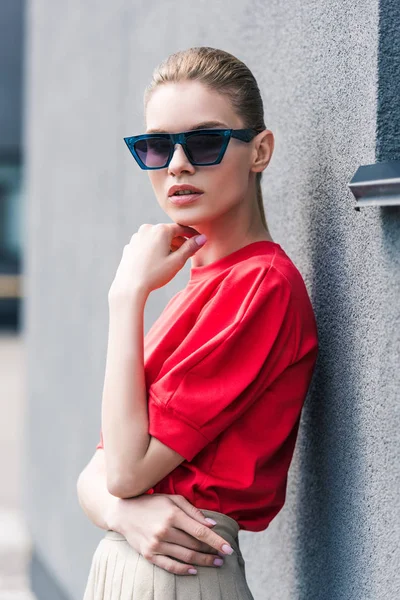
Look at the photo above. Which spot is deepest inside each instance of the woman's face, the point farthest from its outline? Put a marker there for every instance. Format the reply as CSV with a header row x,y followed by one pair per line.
x,y
176,107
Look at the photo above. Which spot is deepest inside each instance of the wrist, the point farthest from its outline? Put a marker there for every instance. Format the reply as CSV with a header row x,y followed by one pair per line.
x,y
135,295
112,517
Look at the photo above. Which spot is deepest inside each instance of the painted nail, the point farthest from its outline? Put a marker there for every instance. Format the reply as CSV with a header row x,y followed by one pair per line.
x,y
227,549
211,521
200,239
192,571
218,562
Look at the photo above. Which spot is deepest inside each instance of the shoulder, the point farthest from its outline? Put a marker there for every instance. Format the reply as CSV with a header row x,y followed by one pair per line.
x,y
262,281
275,268
264,278
263,271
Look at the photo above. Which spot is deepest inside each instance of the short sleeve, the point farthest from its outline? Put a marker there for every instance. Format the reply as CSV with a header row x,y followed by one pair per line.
x,y
243,338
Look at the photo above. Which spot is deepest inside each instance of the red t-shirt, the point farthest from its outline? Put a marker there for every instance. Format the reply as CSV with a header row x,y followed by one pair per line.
x,y
228,364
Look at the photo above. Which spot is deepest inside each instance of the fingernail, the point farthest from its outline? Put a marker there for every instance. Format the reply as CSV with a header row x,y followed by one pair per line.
x,y
200,239
211,521
192,571
218,562
227,549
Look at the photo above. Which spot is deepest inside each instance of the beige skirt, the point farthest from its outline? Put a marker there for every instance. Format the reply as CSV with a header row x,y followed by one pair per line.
x,y
119,572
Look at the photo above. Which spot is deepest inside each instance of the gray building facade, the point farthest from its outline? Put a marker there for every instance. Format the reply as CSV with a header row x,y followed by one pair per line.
x,y
329,77
11,159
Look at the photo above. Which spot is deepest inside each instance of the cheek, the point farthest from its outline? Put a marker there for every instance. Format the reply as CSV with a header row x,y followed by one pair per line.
x,y
232,179
157,183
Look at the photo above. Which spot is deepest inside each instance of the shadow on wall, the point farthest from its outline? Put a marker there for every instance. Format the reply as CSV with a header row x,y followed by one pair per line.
x,y
326,561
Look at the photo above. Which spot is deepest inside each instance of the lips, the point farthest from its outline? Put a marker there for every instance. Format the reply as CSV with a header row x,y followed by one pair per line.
x,y
182,199
184,186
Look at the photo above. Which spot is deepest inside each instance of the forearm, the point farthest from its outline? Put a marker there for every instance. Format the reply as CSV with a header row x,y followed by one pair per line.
x,y
95,499
125,421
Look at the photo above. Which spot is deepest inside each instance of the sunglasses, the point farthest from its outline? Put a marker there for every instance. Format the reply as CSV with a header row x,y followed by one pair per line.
x,y
202,147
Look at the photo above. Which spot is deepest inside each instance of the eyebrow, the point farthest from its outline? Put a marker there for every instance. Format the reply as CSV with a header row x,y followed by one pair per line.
x,y
204,125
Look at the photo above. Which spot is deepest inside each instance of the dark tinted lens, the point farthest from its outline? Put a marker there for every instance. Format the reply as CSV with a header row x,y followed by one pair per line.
x,y
204,148
153,152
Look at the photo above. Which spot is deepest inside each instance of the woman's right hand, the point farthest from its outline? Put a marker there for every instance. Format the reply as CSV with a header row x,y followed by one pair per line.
x,y
162,527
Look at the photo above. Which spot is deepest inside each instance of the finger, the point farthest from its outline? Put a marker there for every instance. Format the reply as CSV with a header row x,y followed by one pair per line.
x,y
202,533
185,230
195,513
188,556
189,509
177,242
172,566
188,249
178,536
181,538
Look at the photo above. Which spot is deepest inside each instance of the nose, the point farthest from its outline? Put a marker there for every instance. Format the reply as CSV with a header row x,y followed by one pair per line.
x,y
179,161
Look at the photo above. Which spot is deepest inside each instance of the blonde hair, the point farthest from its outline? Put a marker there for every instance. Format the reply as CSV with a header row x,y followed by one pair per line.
x,y
223,73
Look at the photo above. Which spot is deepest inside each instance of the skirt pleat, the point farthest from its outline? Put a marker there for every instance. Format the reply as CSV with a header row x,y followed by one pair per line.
x,y
128,578
119,572
109,580
102,561
143,585
164,587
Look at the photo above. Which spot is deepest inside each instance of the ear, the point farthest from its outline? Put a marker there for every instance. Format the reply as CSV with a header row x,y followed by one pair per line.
x,y
263,149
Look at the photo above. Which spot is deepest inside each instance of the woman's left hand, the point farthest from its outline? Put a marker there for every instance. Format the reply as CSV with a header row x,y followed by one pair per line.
x,y
153,257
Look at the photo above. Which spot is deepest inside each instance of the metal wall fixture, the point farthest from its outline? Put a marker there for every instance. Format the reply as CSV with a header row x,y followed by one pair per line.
x,y
376,185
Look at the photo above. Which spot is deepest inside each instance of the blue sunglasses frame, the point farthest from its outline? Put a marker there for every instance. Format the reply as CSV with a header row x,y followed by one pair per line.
x,y
245,135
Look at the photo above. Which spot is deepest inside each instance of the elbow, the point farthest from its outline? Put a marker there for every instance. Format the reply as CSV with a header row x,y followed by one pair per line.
x,y
80,481
121,487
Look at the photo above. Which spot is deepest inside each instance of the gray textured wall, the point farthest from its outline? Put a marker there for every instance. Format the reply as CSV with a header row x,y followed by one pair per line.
x,y
317,65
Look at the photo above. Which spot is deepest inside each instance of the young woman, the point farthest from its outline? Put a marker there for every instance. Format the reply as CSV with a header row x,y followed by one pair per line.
x,y
205,408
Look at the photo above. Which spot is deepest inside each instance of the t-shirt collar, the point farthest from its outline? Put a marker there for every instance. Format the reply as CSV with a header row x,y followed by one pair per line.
x,y
252,249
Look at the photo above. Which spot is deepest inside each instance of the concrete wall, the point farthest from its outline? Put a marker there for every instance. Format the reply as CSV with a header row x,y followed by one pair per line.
x,y
319,69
